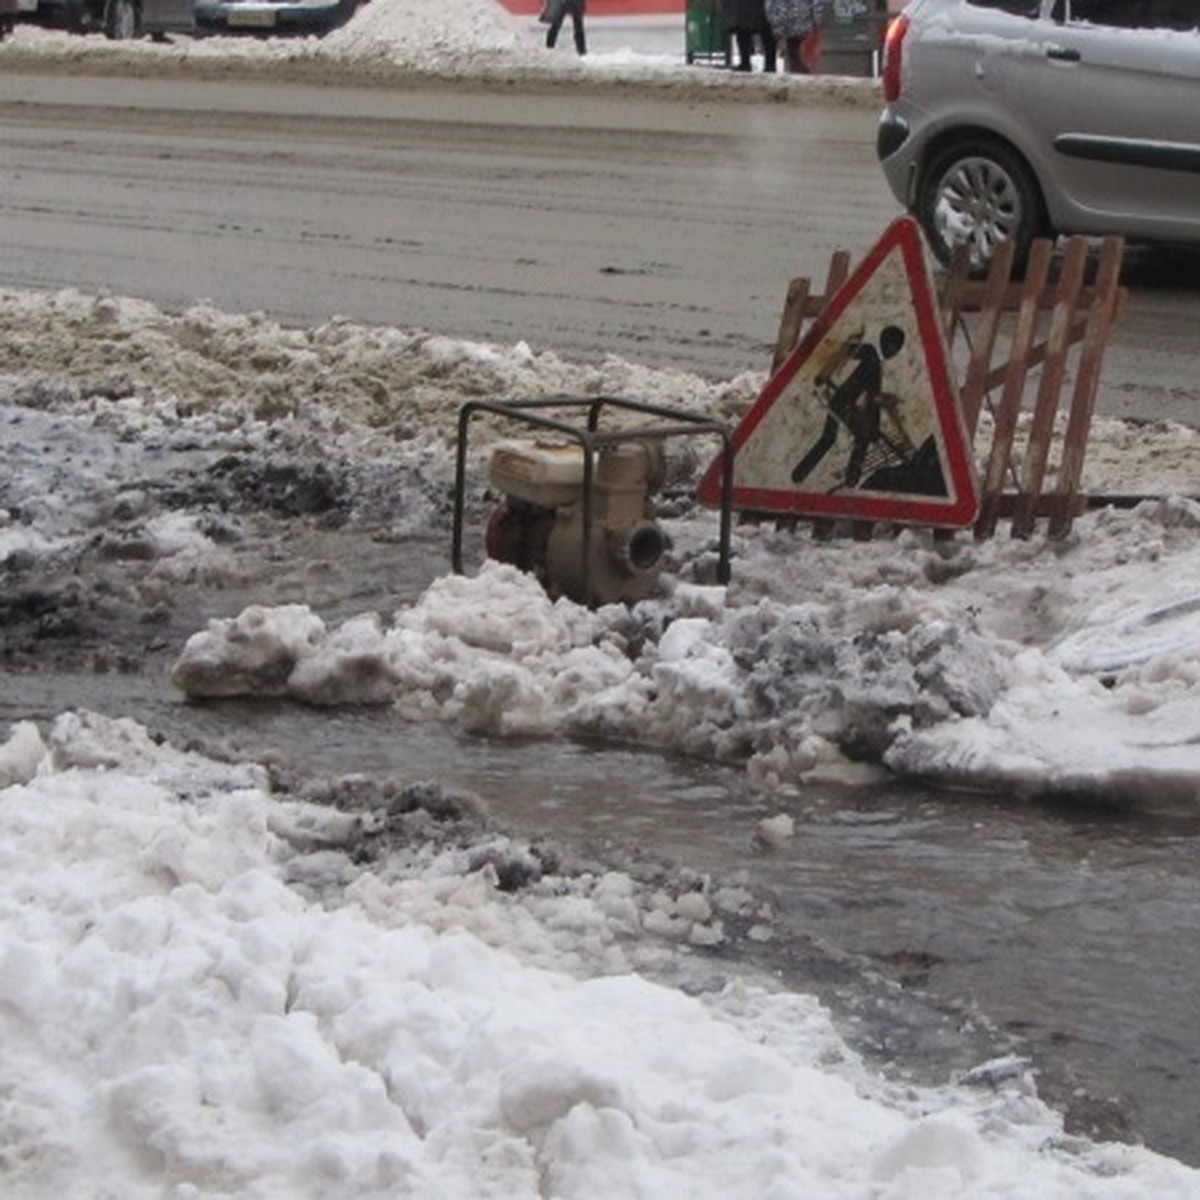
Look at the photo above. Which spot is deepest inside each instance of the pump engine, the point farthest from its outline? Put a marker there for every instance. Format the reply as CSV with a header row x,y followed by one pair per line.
x,y
539,525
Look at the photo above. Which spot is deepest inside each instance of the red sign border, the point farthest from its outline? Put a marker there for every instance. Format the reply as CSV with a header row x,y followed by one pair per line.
x,y
962,507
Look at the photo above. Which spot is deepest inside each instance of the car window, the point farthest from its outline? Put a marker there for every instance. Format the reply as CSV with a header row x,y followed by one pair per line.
x,y
1138,14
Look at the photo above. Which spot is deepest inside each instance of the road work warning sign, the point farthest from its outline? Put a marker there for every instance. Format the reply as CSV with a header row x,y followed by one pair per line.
x,y
862,419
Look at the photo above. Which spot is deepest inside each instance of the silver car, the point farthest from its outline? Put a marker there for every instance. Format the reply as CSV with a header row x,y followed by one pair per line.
x,y
1020,118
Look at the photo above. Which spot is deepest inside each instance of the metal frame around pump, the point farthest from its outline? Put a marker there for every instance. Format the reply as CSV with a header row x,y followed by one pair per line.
x,y
591,438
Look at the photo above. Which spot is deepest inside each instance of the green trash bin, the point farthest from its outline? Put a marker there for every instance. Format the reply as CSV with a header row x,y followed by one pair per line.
x,y
707,39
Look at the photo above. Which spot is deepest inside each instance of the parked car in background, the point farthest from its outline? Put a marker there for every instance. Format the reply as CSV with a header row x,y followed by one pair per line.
x,y
274,16
116,18
1020,118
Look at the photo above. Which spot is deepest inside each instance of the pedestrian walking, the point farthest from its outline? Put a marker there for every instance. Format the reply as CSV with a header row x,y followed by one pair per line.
x,y
746,22
555,12
795,24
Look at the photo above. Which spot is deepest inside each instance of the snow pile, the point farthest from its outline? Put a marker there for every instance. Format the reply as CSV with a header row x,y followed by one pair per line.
x,y
205,375
863,671
464,40
202,994
1038,666
435,36
108,355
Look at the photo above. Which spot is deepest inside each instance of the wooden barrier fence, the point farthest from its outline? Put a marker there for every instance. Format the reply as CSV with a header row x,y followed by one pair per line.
x,y
1021,344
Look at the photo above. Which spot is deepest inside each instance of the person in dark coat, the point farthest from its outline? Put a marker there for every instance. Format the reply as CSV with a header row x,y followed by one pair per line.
x,y
745,21
574,9
794,22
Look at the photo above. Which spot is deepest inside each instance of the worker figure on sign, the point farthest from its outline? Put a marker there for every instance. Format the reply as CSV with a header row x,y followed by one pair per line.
x,y
858,403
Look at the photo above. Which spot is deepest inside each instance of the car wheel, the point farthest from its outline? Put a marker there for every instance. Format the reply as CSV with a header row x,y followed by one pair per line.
x,y
74,16
979,192
121,20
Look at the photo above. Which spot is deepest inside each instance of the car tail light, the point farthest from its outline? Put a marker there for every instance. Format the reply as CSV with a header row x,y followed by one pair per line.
x,y
892,43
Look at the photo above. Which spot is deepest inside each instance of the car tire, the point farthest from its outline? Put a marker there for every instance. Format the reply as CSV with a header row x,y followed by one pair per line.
x,y
981,192
121,20
74,16
346,11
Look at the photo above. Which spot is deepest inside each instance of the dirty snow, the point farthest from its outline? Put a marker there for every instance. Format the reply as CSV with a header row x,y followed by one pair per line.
x,y
212,994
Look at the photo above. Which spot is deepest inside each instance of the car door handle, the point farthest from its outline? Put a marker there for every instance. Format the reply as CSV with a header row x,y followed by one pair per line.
x,y
1063,54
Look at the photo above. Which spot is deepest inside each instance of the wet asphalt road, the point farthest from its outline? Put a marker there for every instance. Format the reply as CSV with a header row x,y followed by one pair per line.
x,y
658,227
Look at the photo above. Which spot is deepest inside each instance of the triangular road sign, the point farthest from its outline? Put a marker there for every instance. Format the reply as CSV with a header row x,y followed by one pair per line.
x,y
862,419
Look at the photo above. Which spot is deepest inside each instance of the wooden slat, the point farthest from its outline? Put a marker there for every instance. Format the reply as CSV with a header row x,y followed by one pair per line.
x,y
973,290
800,305
1087,378
1009,408
1037,355
955,286
984,340
791,322
1037,450
839,272
1046,506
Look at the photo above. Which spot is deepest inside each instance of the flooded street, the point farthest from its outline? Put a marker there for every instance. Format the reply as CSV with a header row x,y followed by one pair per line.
x,y
244,303
943,929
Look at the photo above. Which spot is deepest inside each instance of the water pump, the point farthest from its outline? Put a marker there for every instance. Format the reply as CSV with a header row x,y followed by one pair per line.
x,y
576,501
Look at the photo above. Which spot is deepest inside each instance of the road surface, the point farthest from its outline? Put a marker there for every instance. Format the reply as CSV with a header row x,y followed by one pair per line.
x,y
660,229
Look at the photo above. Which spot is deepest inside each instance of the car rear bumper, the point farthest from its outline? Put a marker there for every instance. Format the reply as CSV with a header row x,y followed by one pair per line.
x,y
263,16
890,136
895,150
